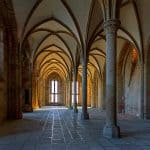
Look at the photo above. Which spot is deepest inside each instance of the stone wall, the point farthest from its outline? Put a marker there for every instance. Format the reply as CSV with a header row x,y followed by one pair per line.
x,y
10,84
3,82
132,87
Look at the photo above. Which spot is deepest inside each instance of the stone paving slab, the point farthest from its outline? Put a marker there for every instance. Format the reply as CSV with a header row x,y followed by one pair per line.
x,y
57,128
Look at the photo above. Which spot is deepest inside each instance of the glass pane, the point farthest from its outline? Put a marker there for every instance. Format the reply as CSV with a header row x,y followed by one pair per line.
x,y
52,98
77,98
52,86
72,98
77,87
49,98
72,88
56,86
77,91
56,98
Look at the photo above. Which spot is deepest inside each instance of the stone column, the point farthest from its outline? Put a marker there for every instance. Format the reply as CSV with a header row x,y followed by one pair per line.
x,y
111,129
44,98
37,93
75,90
70,94
35,90
13,75
27,105
30,88
93,99
84,114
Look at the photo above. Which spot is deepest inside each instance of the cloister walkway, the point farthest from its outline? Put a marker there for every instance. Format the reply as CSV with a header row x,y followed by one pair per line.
x,y
57,128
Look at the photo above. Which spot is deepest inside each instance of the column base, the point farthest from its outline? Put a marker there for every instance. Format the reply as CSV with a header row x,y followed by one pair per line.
x,y
111,132
84,116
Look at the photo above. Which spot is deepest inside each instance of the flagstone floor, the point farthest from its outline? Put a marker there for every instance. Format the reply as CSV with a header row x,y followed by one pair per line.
x,y
57,128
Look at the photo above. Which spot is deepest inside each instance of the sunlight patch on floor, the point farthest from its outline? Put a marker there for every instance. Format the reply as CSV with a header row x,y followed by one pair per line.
x,y
52,108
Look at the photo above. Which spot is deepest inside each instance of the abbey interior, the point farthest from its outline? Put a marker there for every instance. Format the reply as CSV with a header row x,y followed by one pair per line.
x,y
74,74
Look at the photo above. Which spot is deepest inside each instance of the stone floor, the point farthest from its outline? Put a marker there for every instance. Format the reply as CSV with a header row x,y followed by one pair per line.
x,y
57,128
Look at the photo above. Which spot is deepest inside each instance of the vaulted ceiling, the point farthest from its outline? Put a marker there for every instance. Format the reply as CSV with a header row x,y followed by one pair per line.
x,y
59,31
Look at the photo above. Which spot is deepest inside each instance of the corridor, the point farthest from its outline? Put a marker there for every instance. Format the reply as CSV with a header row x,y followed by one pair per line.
x,y
57,128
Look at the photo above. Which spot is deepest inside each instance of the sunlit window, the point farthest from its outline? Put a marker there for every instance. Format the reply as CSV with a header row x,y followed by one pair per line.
x,y
54,91
77,92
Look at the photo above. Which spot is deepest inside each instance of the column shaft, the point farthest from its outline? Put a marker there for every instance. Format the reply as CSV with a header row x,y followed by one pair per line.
x,y
75,91
93,100
111,130
70,94
84,114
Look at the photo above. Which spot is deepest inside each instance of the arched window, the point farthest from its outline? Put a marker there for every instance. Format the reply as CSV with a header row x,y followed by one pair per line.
x,y
77,92
53,91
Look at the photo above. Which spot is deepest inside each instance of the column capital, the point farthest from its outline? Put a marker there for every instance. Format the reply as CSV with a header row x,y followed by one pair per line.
x,y
111,26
